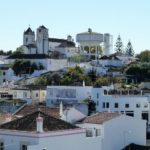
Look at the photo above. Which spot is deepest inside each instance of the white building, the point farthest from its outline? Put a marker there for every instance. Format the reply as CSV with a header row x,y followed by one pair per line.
x,y
38,131
6,74
40,59
137,105
66,47
116,130
91,43
68,94
110,61
42,44
29,94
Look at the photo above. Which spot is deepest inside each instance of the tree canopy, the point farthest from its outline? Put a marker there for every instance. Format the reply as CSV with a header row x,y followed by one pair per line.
x,y
25,67
129,49
119,45
144,56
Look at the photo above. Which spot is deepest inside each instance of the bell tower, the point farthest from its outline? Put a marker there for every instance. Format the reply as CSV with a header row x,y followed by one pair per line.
x,y
42,40
28,37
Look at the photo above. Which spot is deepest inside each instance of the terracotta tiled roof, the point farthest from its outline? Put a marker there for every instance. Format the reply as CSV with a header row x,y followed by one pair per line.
x,y
27,109
28,123
100,118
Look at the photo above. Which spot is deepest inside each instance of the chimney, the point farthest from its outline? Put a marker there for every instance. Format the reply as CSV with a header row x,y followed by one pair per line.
x,y
8,117
83,83
61,109
39,124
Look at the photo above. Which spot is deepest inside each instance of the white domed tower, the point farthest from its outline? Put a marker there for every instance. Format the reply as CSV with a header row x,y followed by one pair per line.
x,y
42,40
28,37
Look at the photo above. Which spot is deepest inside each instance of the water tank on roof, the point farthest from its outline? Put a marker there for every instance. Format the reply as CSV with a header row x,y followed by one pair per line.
x,y
89,37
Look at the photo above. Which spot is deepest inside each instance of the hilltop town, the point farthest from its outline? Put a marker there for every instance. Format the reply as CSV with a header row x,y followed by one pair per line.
x,y
82,93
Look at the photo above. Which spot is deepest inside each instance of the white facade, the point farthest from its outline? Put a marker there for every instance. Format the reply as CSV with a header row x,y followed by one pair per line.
x,y
89,40
64,140
108,44
133,105
67,51
118,132
6,75
29,95
48,64
67,94
42,40
110,62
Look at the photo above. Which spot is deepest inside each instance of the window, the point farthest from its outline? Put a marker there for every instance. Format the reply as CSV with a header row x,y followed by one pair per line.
x,y
15,94
97,95
24,147
107,105
36,94
145,105
98,132
26,39
52,102
1,145
105,92
138,105
103,105
97,103
116,105
25,94
126,105
4,73
89,133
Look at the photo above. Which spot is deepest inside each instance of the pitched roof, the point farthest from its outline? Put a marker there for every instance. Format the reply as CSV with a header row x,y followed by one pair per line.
x,y
28,56
43,27
28,31
100,118
111,57
63,42
27,109
28,123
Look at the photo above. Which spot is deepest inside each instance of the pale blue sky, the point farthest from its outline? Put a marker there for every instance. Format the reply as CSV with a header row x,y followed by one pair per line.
x,y
129,18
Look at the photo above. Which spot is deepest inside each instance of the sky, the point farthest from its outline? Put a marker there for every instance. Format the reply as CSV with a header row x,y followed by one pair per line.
x,y
129,18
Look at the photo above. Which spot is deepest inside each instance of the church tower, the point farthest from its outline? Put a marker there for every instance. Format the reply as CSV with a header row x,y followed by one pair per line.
x,y
28,37
42,40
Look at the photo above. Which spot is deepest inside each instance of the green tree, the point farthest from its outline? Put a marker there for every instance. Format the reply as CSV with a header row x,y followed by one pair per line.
x,y
78,58
140,72
129,49
105,81
21,66
40,67
19,50
75,76
119,45
144,56
42,80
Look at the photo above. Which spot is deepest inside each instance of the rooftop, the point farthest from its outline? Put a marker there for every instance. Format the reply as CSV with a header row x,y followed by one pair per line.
x,y
27,109
100,118
27,56
29,31
63,42
28,123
